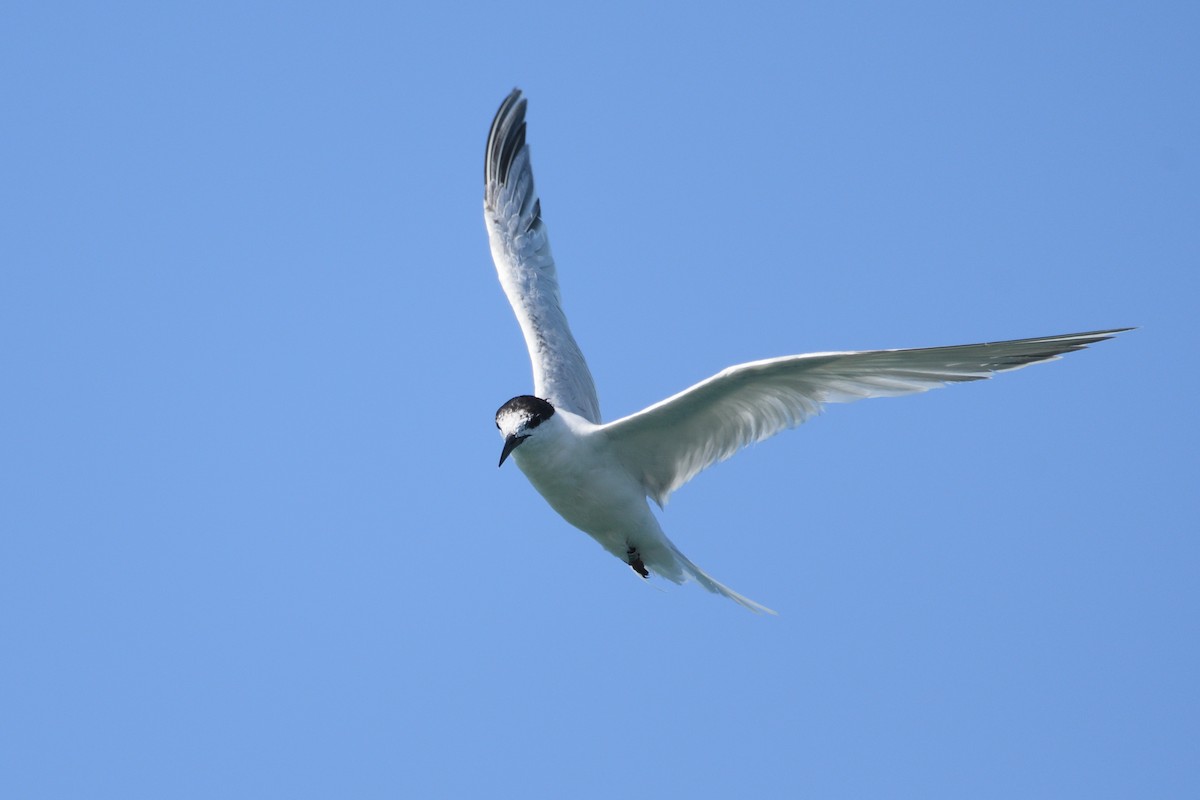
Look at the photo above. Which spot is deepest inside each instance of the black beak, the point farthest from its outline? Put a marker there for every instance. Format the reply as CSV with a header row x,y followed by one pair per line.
x,y
510,444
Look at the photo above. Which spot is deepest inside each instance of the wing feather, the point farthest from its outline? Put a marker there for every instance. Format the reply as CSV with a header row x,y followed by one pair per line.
x,y
521,250
666,444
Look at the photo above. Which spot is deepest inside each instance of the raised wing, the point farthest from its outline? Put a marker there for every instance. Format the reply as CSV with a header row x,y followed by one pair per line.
x,y
521,251
668,443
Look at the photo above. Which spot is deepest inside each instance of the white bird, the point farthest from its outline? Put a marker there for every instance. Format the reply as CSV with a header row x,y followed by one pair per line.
x,y
598,475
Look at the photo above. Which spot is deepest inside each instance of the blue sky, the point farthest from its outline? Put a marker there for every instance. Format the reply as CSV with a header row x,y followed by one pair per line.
x,y
255,543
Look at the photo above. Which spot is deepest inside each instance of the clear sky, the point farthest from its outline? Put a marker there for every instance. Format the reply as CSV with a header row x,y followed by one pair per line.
x,y
254,542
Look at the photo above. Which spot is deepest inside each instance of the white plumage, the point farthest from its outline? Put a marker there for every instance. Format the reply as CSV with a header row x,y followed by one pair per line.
x,y
598,476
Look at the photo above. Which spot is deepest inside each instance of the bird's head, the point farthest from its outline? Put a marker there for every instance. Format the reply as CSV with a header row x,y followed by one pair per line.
x,y
518,419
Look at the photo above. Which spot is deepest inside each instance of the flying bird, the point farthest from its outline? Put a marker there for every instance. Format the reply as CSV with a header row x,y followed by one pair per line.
x,y
598,475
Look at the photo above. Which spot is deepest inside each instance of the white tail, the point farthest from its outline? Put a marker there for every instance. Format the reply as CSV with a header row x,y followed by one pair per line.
x,y
708,582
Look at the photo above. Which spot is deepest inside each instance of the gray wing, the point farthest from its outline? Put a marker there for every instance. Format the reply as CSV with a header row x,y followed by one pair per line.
x,y
513,215
666,444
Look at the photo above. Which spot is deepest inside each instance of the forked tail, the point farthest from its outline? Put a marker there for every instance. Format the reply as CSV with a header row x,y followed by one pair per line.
x,y
716,587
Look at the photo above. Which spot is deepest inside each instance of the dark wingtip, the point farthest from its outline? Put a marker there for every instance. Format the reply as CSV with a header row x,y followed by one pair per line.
x,y
506,137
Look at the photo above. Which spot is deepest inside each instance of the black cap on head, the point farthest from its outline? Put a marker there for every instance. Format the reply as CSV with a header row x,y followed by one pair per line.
x,y
517,416
534,409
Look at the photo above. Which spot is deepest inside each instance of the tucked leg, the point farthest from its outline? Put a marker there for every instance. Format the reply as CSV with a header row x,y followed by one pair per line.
x,y
634,559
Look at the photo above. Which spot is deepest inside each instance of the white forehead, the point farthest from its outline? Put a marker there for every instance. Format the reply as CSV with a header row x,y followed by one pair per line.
x,y
513,420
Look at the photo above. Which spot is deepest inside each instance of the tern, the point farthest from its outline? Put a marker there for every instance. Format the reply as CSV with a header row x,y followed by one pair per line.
x,y
598,475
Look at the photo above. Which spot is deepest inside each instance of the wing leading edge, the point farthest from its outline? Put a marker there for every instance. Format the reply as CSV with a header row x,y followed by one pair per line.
x,y
668,443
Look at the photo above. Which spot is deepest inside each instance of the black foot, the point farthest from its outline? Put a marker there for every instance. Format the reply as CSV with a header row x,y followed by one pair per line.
x,y
635,561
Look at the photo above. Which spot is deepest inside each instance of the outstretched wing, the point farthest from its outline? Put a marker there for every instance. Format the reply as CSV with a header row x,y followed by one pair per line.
x,y
521,251
668,443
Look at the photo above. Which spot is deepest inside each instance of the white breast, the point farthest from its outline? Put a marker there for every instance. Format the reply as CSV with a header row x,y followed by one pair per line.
x,y
583,481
